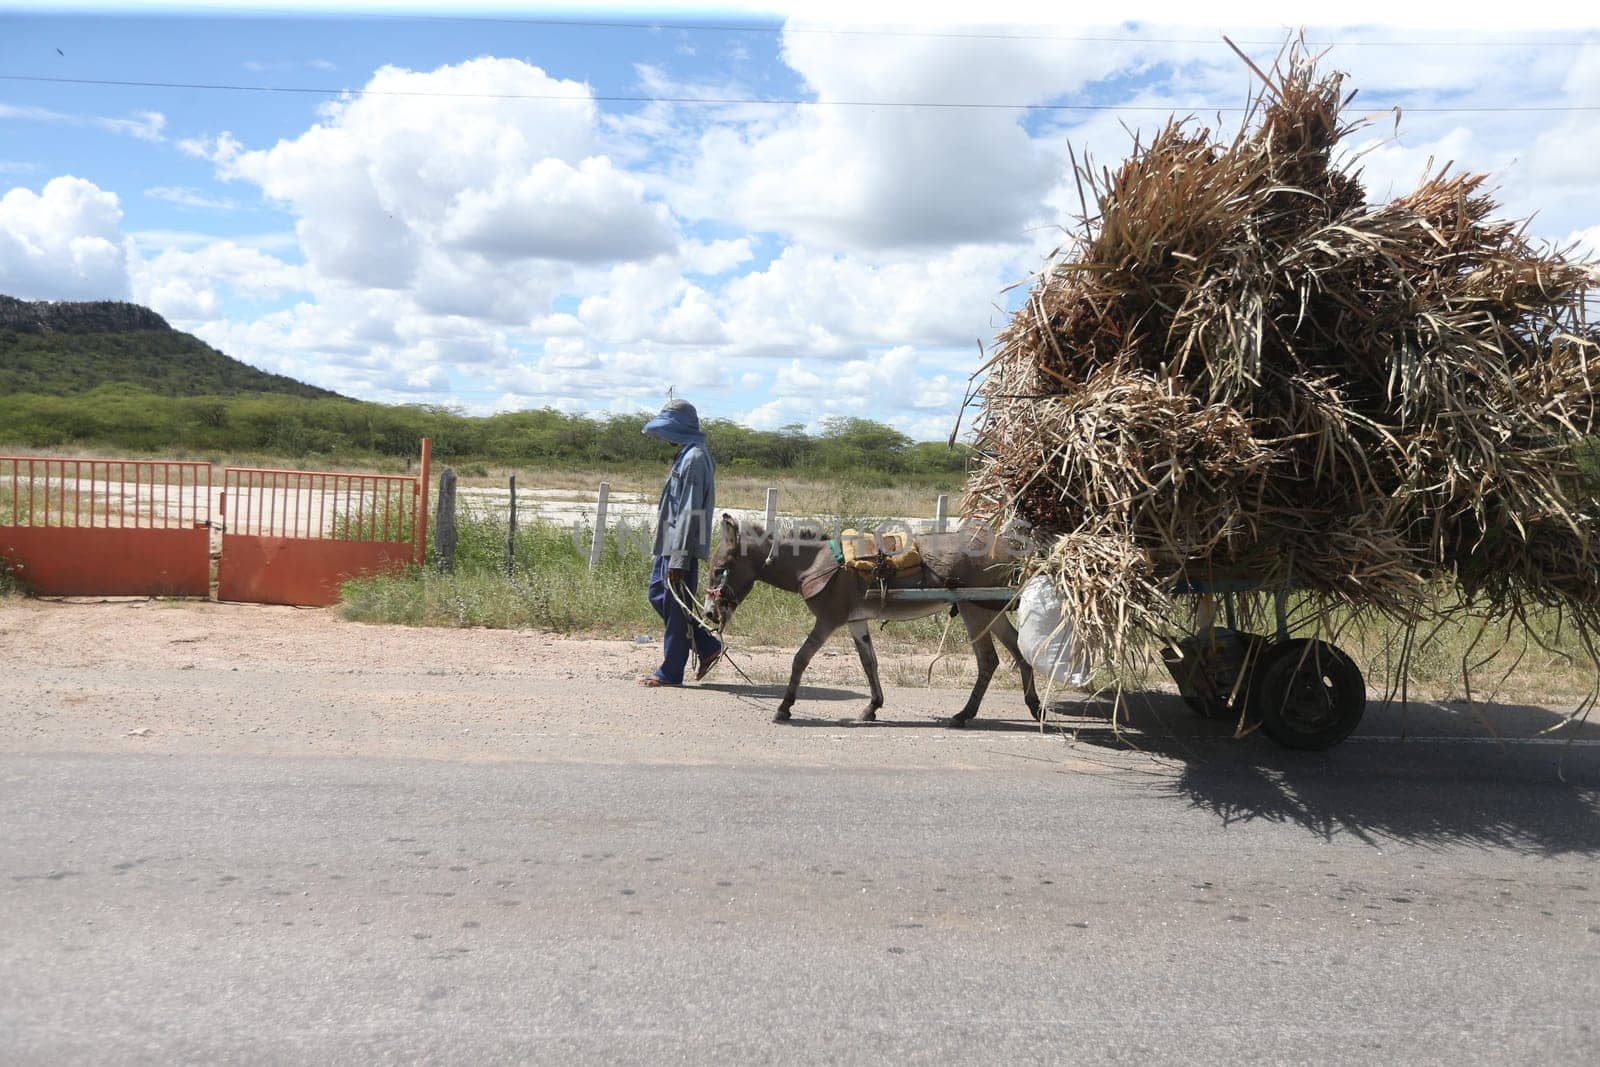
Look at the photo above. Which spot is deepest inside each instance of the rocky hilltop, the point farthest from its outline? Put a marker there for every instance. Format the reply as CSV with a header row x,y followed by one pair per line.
x,y
66,316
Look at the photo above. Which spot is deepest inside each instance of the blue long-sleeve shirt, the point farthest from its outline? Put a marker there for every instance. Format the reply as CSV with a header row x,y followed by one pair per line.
x,y
688,500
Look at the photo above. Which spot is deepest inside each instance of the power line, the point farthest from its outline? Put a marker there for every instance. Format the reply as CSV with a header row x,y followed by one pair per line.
x,y
709,101
1575,41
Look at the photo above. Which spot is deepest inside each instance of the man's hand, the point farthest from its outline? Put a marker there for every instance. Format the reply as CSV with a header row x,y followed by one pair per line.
x,y
677,575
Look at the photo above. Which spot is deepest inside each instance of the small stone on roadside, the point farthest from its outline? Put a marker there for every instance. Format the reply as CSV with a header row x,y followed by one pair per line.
x,y
143,731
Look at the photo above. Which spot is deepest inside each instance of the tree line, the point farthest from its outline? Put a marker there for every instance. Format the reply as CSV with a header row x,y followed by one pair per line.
x,y
128,417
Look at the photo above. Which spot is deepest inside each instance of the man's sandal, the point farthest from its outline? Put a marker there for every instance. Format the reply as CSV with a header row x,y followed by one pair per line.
x,y
650,681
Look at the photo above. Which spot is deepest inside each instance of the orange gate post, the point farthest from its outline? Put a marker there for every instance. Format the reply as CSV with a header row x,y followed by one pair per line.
x,y
106,527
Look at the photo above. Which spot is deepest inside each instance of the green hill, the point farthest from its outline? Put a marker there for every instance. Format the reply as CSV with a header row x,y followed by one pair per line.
x,y
60,349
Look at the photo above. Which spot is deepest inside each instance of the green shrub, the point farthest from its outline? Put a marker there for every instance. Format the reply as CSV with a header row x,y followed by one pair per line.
x,y
10,585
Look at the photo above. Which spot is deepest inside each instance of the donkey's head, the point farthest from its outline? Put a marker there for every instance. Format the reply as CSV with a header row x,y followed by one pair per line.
x,y
735,566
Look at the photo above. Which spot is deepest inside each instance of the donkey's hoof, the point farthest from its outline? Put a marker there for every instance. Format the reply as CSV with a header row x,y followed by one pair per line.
x,y
1036,711
957,721
869,715
781,715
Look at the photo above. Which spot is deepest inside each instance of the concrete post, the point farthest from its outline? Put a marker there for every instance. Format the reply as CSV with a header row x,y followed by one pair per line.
x,y
444,526
598,543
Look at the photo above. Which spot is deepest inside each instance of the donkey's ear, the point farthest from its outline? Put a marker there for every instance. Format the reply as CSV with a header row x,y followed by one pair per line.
x,y
730,525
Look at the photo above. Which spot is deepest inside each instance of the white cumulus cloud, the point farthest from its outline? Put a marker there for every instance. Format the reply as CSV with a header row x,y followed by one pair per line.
x,y
844,174
64,242
898,386
481,162
832,305
590,213
187,285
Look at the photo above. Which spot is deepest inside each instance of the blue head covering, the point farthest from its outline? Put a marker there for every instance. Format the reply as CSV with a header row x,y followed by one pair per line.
x,y
678,423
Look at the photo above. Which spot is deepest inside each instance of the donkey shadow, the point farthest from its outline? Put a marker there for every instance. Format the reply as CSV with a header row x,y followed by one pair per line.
x,y
974,726
775,691
1484,776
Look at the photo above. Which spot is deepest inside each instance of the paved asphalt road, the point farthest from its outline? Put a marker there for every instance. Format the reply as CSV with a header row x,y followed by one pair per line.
x,y
1414,901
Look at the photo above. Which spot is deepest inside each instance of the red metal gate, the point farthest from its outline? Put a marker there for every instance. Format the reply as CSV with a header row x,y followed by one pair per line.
x,y
98,527
292,537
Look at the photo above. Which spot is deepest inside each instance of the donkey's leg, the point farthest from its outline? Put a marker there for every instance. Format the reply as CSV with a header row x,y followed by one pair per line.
x,y
819,634
862,633
1007,635
977,623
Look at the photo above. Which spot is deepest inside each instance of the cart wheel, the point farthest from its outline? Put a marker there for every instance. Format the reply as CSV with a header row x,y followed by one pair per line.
x,y
1307,694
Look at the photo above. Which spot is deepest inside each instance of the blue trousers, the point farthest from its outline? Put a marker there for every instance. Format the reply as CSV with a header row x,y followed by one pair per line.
x,y
681,630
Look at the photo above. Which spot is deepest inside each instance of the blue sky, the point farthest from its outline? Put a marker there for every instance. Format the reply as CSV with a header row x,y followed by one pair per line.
x,y
482,223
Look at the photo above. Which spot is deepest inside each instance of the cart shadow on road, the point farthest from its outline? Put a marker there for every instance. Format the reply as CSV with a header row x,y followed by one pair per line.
x,y
1429,774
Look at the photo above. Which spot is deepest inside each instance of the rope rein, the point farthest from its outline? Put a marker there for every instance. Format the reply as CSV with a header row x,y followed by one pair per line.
x,y
695,617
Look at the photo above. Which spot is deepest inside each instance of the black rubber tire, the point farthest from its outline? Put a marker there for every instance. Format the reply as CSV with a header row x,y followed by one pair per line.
x,y
1307,694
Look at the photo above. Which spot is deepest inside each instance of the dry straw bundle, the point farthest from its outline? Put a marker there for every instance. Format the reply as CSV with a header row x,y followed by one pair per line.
x,y
1241,370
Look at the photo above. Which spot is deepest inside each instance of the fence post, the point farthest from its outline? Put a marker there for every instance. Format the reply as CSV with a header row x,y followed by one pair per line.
x,y
597,544
940,513
511,532
772,512
444,531
421,530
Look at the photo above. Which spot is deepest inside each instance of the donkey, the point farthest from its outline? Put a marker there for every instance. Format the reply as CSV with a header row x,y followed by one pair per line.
x,y
804,564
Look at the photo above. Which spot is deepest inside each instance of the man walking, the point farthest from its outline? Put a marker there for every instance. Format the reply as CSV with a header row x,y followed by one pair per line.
x,y
683,539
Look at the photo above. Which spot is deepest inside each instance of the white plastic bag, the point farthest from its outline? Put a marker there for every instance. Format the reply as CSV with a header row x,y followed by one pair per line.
x,y
1044,634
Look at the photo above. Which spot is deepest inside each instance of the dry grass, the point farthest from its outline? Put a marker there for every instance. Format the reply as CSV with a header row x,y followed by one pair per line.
x,y
1240,370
